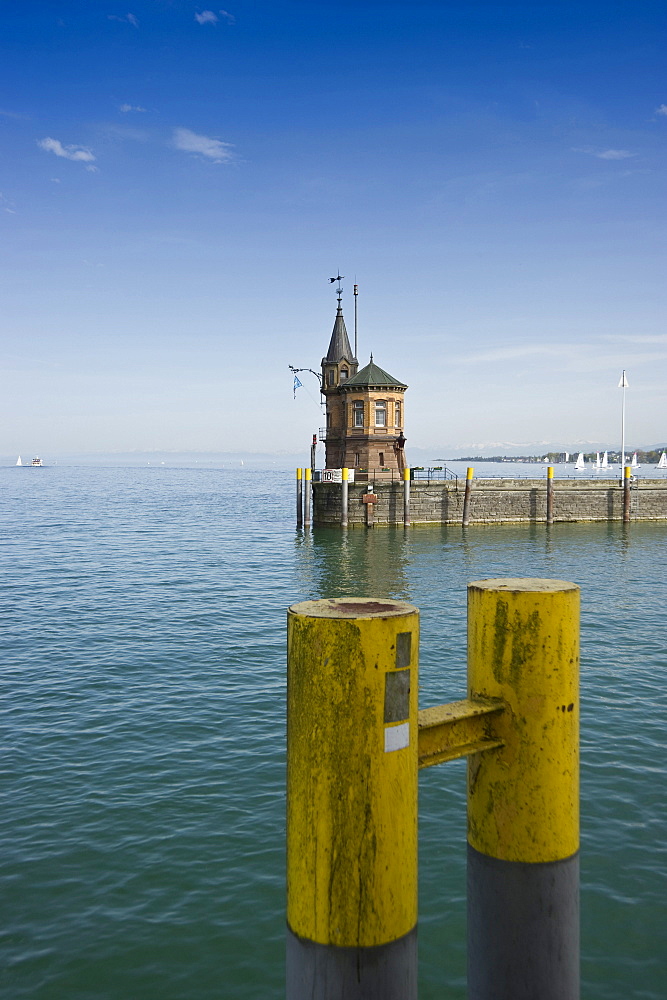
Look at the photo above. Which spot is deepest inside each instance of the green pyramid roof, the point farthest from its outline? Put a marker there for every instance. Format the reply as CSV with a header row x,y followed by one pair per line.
x,y
373,375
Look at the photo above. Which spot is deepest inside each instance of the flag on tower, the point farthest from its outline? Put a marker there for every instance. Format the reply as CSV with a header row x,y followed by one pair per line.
x,y
297,385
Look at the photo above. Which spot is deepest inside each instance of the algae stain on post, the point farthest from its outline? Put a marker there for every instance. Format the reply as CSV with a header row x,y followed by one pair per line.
x,y
352,806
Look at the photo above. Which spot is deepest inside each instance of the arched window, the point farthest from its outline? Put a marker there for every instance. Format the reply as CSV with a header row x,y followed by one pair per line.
x,y
380,413
358,413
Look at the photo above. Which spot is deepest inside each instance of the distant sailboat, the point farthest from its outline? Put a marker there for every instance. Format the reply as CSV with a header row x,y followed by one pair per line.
x,y
567,457
635,464
598,464
19,462
580,465
605,462
662,464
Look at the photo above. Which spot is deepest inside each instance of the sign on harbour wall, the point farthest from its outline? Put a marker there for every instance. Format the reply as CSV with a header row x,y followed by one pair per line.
x,y
335,475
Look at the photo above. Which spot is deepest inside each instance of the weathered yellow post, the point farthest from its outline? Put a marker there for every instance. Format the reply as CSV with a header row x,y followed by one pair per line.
x,y
352,800
550,494
523,797
299,499
306,496
406,497
466,496
627,476
344,496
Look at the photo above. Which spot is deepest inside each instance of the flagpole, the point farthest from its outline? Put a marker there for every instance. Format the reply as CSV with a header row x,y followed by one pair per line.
x,y
623,384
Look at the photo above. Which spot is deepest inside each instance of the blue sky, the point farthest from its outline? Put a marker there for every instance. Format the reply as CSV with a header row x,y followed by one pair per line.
x,y
179,181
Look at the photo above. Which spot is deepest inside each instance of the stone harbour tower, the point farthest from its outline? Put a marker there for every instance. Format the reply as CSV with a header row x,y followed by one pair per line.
x,y
365,411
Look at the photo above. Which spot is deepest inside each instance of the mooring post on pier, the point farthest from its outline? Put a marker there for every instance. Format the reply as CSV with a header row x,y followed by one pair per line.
x,y
550,494
369,500
523,798
627,475
406,497
355,740
466,497
307,493
343,497
299,498
352,800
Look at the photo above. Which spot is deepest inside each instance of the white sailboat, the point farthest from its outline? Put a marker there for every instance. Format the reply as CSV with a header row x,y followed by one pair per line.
x,y
635,464
580,465
18,461
605,462
662,464
598,464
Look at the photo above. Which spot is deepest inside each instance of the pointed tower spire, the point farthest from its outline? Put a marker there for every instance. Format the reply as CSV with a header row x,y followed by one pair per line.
x,y
339,345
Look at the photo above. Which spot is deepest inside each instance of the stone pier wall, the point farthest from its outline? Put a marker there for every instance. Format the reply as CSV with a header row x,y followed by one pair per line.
x,y
493,501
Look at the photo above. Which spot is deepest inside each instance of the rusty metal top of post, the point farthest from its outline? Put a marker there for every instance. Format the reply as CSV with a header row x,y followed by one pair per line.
x,y
527,585
353,607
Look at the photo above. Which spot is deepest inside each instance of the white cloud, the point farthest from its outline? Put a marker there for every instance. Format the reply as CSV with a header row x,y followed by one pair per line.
x,y
206,17
210,17
7,205
515,353
130,107
79,153
615,154
604,154
129,19
637,338
214,149
662,110
576,357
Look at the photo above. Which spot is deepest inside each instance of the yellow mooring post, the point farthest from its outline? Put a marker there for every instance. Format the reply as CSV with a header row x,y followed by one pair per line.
x,y
299,499
343,497
627,474
523,797
406,497
306,496
352,800
466,496
550,494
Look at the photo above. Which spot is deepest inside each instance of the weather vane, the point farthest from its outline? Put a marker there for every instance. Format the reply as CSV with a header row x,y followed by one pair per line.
x,y
339,291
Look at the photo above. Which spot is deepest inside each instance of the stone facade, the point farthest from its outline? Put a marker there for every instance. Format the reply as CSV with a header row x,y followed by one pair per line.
x,y
493,501
365,446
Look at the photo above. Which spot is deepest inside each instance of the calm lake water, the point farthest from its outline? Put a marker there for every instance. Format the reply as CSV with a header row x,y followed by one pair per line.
x,y
143,729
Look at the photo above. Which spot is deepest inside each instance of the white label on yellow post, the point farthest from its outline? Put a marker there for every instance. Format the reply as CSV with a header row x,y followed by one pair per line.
x,y
396,737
